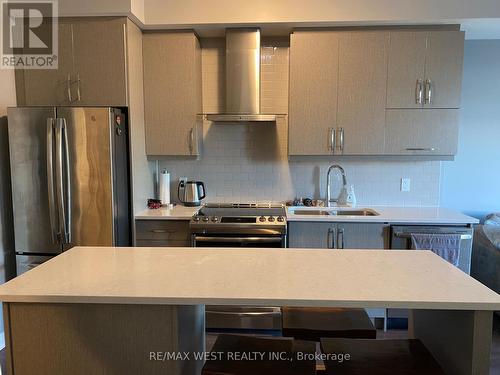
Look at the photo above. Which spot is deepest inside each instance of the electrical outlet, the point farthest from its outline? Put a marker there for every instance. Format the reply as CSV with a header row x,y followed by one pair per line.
x,y
182,181
405,184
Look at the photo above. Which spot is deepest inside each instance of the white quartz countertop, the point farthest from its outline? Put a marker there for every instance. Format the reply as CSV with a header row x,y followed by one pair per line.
x,y
178,212
393,215
276,277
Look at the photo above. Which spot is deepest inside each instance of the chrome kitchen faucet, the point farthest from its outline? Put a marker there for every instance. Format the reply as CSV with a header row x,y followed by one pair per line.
x,y
329,199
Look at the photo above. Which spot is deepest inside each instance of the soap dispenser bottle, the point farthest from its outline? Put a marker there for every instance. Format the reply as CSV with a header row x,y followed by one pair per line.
x,y
342,198
351,197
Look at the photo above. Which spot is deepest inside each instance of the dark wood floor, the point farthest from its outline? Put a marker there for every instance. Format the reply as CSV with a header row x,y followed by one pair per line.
x,y
391,334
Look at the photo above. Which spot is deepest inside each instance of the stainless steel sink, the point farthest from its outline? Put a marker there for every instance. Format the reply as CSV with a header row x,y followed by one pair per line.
x,y
364,212
311,212
335,212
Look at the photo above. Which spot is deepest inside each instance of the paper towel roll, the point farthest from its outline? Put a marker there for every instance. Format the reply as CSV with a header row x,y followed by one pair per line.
x,y
165,187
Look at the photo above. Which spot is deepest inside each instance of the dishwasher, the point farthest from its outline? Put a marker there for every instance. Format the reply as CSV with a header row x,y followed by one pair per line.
x,y
401,240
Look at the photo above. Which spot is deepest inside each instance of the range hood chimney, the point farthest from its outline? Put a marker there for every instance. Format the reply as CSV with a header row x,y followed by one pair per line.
x,y
242,78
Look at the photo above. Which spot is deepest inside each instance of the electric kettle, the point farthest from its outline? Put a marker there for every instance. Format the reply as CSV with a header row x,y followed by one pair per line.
x,y
191,193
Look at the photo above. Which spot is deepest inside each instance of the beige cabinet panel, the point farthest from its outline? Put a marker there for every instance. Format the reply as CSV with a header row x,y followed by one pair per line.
x,y
162,233
313,92
90,49
433,57
311,234
363,236
100,62
444,62
38,87
361,92
422,131
172,92
406,65
338,235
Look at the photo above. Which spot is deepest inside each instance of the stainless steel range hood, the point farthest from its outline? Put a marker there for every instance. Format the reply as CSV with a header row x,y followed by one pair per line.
x,y
242,78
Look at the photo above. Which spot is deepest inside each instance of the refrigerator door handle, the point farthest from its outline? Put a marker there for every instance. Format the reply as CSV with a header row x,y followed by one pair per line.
x,y
67,185
59,181
50,179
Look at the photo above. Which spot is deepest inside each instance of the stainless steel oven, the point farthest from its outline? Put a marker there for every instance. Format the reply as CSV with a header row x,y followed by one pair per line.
x,y
237,241
235,226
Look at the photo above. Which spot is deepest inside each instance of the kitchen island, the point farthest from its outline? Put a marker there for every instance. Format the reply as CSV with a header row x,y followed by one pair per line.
x,y
105,310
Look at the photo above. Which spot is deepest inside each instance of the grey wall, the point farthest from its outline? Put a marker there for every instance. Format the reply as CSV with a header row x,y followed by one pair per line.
x,y
471,183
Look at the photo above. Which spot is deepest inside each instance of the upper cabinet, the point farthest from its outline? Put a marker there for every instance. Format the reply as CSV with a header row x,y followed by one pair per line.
x,y
422,132
172,93
423,93
91,67
100,62
337,92
375,92
425,69
314,62
361,92
48,86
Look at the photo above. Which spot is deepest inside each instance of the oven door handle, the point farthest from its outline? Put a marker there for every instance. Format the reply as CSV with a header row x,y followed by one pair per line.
x,y
408,235
238,239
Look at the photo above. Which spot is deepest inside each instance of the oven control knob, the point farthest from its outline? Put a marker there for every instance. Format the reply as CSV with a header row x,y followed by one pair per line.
x,y
196,218
205,219
271,219
215,219
262,219
281,219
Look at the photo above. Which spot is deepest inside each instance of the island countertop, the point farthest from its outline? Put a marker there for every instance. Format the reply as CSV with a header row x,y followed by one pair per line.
x,y
276,277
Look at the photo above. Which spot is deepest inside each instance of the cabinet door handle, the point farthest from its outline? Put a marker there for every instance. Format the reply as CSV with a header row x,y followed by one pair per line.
x,y
428,91
161,231
340,238
330,239
419,91
191,141
50,179
78,94
332,139
341,139
68,88
420,149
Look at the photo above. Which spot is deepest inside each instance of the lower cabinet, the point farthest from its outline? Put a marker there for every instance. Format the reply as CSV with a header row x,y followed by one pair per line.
x,y
162,233
338,235
341,236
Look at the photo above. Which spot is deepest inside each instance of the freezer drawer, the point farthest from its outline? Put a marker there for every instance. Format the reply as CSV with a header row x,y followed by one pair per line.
x,y
24,263
242,318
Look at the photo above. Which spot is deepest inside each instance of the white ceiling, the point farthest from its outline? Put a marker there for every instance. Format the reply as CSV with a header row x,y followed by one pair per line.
x,y
479,18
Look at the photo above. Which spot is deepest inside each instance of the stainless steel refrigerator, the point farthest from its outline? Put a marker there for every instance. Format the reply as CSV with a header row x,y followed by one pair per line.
x,y
70,180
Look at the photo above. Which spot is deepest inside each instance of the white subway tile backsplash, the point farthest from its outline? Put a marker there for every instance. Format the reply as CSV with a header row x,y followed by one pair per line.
x,y
260,171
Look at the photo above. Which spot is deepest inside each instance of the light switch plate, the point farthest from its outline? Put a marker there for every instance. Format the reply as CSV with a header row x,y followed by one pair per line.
x,y
405,184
